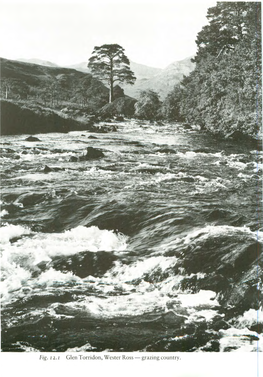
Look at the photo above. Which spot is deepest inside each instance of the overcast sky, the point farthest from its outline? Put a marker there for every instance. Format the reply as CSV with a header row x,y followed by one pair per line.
x,y
152,32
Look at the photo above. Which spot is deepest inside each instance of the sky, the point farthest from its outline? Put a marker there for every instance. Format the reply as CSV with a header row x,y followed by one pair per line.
x,y
152,32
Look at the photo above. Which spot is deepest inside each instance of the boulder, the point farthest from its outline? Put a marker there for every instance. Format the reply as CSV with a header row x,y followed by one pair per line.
x,y
32,138
73,159
93,153
187,126
47,169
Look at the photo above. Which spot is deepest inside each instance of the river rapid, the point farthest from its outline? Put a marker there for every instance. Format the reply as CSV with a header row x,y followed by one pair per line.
x,y
154,247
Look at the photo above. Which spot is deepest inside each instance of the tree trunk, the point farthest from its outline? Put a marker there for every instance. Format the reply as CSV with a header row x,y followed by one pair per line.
x,y
111,81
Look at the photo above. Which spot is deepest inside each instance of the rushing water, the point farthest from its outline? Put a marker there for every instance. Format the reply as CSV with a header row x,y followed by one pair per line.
x,y
154,247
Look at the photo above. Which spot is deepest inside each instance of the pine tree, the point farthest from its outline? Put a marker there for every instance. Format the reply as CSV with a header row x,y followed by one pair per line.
x,y
110,64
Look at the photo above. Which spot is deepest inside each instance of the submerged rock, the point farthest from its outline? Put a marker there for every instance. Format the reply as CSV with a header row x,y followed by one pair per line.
x,y
85,263
31,199
187,179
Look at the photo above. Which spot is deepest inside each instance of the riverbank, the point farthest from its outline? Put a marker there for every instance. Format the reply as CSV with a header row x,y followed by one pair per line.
x,y
30,118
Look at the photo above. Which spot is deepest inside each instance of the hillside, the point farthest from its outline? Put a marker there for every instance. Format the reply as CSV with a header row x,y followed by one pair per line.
x,y
52,86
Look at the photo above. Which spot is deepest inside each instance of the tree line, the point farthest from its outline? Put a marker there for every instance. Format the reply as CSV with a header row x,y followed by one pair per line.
x,y
58,91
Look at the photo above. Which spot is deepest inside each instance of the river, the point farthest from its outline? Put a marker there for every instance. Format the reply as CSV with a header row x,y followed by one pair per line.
x,y
154,247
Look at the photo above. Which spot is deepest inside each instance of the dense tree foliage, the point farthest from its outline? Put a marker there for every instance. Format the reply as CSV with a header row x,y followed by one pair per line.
x,y
171,105
148,105
223,93
110,64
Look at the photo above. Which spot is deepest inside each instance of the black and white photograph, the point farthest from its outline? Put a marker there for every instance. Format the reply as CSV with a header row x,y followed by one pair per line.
x,y
131,186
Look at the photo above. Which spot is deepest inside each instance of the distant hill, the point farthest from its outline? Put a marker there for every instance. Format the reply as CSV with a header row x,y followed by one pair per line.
x,y
82,67
160,80
144,71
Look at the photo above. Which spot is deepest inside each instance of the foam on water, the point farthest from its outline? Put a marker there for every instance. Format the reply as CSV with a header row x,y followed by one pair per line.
x,y
202,298
202,315
250,318
3,213
86,347
20,259
142,301
240,340
237,165
53,278
219,230
8,232
66,243
26,348
140,268
34,177
191,154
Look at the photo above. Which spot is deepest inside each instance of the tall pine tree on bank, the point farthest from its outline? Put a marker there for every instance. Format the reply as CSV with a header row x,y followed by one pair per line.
x,y
109,63
224,92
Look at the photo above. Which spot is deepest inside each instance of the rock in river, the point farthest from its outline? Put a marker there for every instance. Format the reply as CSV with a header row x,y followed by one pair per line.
x,y
93,153
32,138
